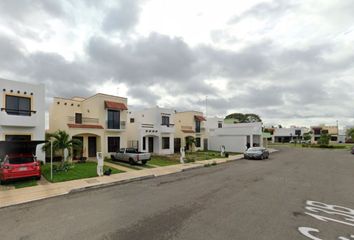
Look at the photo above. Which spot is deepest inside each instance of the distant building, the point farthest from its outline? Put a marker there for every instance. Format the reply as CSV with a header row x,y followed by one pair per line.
x,y
333,131
152,130
285,135
98,121
190,127
235,137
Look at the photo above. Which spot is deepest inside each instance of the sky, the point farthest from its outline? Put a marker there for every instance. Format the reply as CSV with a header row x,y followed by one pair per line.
x,y
291,62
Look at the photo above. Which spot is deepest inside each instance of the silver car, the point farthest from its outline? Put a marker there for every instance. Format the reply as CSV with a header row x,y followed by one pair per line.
x,y
256,153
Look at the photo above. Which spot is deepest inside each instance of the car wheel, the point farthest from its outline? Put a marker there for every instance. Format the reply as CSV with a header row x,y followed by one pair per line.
x,y
143,162
38,178
131,161
262,157
113,158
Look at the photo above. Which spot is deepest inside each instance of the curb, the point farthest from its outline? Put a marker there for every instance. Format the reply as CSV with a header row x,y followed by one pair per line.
x,y
104,185
192,168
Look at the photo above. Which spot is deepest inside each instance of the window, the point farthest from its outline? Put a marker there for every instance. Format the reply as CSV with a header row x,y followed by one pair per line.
x,y
78,118
166,121
197,126
144,143
113,121
132,120
18,105
165,143
113,144
197,142
18,138
334,138
219,124
297,132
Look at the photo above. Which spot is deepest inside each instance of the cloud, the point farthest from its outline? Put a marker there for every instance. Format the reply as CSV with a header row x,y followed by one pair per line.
x,y
122,18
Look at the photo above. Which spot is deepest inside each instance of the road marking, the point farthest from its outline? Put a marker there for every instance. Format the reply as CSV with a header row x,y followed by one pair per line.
x,y
318,207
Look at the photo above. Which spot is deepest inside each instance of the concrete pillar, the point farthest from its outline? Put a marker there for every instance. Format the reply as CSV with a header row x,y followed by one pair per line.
x,y
251,140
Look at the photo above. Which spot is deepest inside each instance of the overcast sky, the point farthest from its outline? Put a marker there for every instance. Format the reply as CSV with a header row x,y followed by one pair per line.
x,y
291,62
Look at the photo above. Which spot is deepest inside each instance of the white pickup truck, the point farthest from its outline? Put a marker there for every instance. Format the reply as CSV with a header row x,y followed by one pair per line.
x,y
131,155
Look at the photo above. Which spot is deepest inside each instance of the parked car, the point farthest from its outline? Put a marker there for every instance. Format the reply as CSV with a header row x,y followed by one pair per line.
x,y
17,160
352,151
131,155
256,153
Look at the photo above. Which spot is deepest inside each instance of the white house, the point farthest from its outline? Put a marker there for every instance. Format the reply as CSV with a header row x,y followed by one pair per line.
x,y
235,137
22,115
152,130
288,134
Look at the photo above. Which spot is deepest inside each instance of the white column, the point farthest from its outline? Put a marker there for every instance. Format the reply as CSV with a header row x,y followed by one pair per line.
x,y
251,140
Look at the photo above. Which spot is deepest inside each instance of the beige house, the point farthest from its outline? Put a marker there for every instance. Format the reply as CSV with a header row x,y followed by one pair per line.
x,y
333,131
190,125
98,121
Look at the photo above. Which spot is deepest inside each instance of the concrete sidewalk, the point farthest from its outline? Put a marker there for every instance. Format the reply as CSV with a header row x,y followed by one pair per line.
x,y
24,195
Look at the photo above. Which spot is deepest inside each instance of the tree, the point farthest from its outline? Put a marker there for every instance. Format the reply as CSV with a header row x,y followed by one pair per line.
x,y
244,118
324,139
308,136
350,133
62,141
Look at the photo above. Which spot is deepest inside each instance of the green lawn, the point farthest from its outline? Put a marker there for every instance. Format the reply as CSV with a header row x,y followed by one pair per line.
x,y
163,161
299,145
78,171
204,155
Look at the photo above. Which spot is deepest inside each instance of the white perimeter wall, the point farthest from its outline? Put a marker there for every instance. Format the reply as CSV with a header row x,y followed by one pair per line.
x,y
231,143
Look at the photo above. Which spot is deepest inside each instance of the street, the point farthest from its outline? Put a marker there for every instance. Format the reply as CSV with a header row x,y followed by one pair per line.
x,y
245,199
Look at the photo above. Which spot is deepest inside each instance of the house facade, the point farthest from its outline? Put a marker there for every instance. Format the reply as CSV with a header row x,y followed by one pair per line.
x,y
235,137
98,121
22,115
285,135
333,131
190,127
152,130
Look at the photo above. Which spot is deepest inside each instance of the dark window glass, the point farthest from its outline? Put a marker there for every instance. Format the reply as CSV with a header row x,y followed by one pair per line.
x,y
197,126
165,143
297,132
197,142
166,120
113,144
132,120
18,137
21,160
219,125
78,118
18,105
144,143
113,119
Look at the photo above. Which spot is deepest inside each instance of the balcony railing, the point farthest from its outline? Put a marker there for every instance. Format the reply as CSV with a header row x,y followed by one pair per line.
x,y
85,120
168,125
114,125
19,112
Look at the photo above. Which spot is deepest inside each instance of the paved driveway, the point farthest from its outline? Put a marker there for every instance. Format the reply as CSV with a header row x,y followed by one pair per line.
x,y
252,200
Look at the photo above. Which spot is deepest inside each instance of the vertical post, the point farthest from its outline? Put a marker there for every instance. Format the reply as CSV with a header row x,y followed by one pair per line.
x,y
51,159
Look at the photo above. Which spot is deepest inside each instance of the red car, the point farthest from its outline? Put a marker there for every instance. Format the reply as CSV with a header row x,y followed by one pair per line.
x,y
17,160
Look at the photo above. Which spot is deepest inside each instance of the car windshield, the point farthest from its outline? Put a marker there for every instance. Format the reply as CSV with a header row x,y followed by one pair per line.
x,y
21,160
256,149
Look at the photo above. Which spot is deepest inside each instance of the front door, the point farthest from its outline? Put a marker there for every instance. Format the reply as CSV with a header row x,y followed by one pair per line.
x,y
177,145
151,144
205,144
92,146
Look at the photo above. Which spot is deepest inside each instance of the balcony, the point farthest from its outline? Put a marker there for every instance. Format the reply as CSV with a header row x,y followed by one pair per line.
x,y
85,120
170,128
116,126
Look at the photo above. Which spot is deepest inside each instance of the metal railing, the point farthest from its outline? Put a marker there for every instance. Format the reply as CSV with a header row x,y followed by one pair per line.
x,y
114,125
85,120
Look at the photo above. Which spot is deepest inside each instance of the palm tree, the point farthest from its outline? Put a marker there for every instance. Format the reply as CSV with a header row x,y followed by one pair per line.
x,y
62,141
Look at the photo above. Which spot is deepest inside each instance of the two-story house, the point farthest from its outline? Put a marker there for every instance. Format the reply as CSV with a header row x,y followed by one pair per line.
x,y
190,131
333,131
98,121
152,130
22,113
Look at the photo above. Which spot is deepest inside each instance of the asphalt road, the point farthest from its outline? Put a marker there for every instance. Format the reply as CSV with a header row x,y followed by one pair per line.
x,y
241,200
